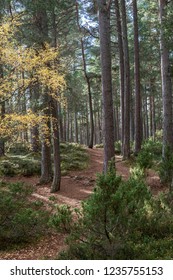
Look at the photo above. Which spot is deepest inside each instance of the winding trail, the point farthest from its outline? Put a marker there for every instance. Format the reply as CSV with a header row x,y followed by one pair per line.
x,y
75,187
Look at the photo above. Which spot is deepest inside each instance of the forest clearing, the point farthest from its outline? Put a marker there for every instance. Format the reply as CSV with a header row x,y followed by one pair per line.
x,y
86,129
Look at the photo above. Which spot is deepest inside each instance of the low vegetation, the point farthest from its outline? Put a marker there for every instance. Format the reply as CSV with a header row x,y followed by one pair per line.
x,y
121,220
21,161
22,220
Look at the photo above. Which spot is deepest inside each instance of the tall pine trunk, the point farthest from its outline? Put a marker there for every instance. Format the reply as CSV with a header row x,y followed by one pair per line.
x,y
121,64
56,148
138,113
91,139
126,139
105,50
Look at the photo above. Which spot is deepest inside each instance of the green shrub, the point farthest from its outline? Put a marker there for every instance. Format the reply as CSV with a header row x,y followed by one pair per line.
x,y
29,167
73,157
153,146
119,219
7,168
144,159
19,148
62,218
20,165
166,168
20,219
151,151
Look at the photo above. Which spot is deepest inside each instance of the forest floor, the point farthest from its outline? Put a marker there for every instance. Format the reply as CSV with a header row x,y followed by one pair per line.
x,y
75,187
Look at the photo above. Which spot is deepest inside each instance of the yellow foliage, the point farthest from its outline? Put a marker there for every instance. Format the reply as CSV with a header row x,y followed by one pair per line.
x,y
14,123
24,67
37,65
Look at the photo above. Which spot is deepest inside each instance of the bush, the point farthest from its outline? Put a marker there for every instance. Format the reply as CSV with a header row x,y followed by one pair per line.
x,y
74,157
62,218
7,168
153,146
144,159
118,219
20,165
20,219
166,168
19,148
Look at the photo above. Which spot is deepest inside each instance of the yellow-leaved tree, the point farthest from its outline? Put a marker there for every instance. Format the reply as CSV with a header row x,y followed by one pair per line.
x,y
23,68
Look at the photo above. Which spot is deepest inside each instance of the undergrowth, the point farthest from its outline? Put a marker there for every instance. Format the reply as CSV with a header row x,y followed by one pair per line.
x,y
121,220
21,219
73,157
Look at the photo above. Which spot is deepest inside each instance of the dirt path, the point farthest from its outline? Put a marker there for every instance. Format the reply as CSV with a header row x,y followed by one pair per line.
x,y
77,186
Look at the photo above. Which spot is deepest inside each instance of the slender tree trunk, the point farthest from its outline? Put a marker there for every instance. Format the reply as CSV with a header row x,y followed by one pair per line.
x,y
88,84
34,130
99,127
60,122
121,63
105,50
71,129
46,166
2,104
76,127
67,126
126,139
64,127
56,148
138,113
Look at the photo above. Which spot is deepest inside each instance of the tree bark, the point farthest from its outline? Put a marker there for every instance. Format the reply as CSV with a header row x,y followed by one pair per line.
x,y
121,64
46,164
56,148
138,113
2,142
91,140
34,130
126,140
105,51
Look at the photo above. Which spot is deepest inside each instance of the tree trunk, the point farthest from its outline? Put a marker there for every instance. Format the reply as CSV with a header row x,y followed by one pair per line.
x,y
56,148
91,140
34,130
60,122
121,64
2,104
126,140
138,116
76,126
105,50
46,166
